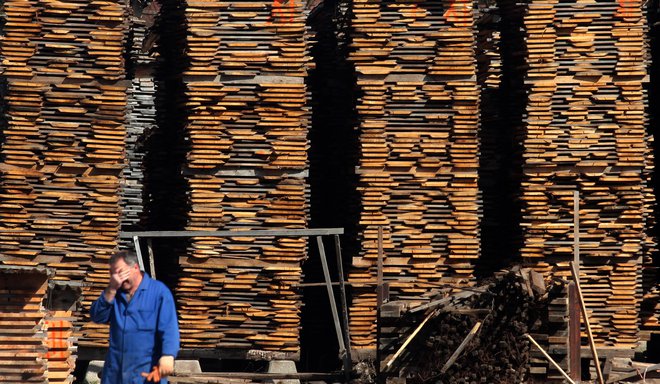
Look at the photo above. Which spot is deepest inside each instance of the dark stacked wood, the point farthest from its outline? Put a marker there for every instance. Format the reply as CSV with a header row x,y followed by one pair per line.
x,y
246,122
584,72
64,108
418,126
141,117
23,347
495,159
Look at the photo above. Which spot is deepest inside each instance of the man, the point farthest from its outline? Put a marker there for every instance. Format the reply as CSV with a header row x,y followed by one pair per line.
x,y
144,332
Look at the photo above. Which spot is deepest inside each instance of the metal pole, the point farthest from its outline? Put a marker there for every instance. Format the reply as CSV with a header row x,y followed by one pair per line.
x,y
138,252
344,309
331,295
152,264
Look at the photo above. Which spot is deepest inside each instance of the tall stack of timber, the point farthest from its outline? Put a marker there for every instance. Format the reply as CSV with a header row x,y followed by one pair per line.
x,y
418,126
584,129
651,305
64,106
246,122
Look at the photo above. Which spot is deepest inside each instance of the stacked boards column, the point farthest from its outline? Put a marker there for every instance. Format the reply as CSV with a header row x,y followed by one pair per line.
x,y
418,126
584,130
246,123
64,105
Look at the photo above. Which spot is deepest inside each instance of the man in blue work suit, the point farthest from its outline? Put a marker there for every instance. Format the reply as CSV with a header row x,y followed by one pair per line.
x,y
144,332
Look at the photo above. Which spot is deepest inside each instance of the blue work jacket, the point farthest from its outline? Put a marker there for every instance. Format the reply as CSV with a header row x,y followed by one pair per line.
x,y
141,331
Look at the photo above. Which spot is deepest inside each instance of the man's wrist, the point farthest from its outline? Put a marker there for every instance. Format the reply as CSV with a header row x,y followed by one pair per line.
x,y
109,293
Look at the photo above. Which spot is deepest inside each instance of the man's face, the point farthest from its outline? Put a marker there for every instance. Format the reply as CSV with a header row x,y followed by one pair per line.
x,y
120,266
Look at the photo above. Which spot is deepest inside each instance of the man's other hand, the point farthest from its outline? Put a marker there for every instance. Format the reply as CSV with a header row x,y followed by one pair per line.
x,y
166,365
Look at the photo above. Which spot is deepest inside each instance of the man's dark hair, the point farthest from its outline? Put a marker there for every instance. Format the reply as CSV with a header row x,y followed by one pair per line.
x,y
129,258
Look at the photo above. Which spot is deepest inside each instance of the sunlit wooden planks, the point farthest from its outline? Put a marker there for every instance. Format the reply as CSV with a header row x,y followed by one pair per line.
x,y
583,66
418,157
64,106
246,123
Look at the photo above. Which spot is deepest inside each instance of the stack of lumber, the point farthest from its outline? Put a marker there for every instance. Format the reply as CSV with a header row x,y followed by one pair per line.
x,y
23,347
583,129
64,106
246,123
651,305
418,125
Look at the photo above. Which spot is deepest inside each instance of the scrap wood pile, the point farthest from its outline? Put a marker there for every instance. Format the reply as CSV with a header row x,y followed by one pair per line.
x,y
418,150
470,335
246,121
583,67
64,107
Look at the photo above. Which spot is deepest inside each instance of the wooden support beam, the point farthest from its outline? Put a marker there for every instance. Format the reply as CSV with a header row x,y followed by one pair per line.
x,y
592,343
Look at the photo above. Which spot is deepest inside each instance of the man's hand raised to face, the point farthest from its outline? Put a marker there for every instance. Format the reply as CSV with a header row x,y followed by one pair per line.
x,y
118,277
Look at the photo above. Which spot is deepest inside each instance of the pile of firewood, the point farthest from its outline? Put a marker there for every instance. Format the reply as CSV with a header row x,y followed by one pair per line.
x,y
468,336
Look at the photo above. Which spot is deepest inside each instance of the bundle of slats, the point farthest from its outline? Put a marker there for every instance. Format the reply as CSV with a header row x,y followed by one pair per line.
x,y
61,340
246,124
64,108
22,337
418,124
60,359
584,130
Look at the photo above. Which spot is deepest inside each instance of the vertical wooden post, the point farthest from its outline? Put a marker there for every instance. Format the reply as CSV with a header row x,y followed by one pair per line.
x,y
592,343
379,302
576,229
574,335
